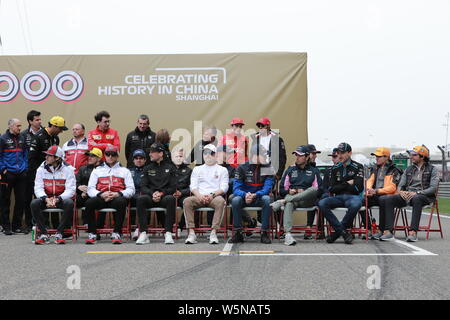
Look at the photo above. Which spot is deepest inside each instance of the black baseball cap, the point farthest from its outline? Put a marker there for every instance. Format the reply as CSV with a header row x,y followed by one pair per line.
x,y
301,150
312,149
334,152
344,147
157,147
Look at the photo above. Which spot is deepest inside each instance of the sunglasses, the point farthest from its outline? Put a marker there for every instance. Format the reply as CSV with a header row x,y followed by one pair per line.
x,y
261,126
334,156
238,125
209,153
111,154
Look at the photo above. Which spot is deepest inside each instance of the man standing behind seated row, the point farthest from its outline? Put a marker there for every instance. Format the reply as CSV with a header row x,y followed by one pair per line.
x,y
347,185
252,187
209,183
142,137
103,136
75,149
157,187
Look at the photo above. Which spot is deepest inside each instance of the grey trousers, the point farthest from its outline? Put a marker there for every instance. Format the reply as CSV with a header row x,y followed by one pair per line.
x,y
303,200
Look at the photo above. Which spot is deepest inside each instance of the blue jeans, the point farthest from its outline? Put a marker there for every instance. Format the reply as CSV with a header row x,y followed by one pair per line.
x,y
351,202
238,203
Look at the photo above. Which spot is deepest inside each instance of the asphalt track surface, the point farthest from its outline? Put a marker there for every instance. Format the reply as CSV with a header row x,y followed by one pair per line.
x,y
309,270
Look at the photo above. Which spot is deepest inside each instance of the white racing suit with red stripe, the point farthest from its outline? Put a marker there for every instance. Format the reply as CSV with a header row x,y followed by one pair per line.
x,y
54,182
115,179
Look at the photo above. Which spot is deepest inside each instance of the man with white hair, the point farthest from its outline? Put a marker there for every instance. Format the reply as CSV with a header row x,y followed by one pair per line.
x,y
76,148
54,187
13,167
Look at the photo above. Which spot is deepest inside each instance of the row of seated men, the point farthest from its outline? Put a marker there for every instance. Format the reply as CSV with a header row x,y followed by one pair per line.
x,y
22,152
166,184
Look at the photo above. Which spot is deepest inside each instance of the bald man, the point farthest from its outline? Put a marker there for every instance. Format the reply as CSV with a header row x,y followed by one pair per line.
x,y
13,168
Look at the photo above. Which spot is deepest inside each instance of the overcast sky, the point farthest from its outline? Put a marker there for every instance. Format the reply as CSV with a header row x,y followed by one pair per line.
x,y
378,71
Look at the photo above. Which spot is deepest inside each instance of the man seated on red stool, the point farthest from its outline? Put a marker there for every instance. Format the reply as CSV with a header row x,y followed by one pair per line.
x,y
157,187
383,180
110,186
54,187
417,188
299,186
252,186
347,187
209,184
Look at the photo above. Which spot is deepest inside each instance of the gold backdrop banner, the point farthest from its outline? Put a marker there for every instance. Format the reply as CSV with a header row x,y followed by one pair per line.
x,y
175,91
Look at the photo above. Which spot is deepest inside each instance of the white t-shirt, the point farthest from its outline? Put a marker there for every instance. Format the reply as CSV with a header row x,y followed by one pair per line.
x,y
265,141
207,179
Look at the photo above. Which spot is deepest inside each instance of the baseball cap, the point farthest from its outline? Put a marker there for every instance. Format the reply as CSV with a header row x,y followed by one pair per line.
x,y
55,151
210,147
59,122
334,152
139,153
381,152
237,121
312,149
264,121
344,147
258,149
95,152
111,148
422,150
301,150
157,147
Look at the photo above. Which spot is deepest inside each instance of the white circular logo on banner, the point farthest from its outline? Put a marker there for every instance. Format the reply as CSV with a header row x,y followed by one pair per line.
x,y
13,86
35,95
67,76
36,86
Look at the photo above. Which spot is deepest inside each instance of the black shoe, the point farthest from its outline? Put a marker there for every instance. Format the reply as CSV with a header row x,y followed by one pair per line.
x,y
334,236
265,238
348,237
237,237
18,230
99,237
307,236
8,232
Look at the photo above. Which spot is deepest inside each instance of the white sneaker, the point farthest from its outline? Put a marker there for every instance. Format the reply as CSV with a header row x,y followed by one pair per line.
x,y
289,240
191,239
143,238
168,238
135,235
213,238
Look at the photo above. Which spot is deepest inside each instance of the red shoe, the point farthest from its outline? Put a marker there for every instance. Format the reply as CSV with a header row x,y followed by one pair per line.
x,y
92,238
116,239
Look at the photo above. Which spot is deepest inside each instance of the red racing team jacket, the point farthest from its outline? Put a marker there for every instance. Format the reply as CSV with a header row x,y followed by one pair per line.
x,y
74,153
55,182
116,179
100,139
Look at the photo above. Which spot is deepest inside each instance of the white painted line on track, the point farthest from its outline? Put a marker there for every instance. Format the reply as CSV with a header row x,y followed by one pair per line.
x,y
339,254
416,250
227,249
435,215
